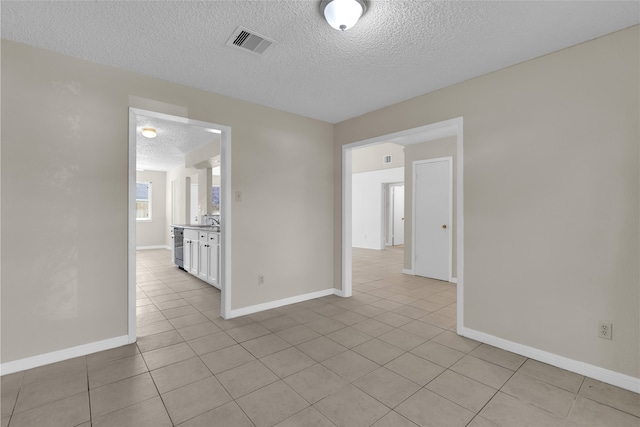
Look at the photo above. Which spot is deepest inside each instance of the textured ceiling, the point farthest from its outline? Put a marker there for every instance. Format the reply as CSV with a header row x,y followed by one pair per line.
x,y
167,150
398,50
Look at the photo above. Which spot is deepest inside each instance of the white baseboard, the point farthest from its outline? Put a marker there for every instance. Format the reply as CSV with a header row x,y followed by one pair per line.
x,y
412,273
143,248
338,292
373,248
617,379
279,303
60,355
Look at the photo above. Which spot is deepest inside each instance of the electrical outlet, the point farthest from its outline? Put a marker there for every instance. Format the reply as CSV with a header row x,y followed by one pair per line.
x,y
604,329
260,279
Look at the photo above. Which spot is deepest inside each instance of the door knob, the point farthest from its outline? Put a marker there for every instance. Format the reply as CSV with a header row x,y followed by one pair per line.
x,y
444,225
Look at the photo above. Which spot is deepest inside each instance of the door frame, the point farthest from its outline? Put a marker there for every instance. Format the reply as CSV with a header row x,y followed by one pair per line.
x,y
451,127
449,161
225,212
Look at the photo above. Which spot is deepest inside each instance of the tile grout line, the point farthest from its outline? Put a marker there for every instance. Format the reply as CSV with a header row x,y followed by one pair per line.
x,y
13,408
86,362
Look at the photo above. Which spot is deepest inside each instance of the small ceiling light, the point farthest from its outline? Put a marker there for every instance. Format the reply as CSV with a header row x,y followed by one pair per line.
x,y
343,14
149,132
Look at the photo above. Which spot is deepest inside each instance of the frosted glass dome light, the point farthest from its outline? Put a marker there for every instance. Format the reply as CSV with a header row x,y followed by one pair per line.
x,y
343,14
149,132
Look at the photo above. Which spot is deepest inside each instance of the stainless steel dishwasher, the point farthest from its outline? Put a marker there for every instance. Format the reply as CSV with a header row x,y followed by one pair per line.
x,y
178,246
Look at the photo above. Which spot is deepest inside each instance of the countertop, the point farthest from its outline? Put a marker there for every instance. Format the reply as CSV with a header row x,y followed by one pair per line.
x,y
208,228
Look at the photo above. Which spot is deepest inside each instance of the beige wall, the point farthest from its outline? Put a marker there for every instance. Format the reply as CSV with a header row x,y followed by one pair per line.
x,y
445,147
153,233
551,197
64,168
369,158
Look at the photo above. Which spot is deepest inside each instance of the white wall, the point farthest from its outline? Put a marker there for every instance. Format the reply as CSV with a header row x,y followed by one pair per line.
x,y
153,233
368,227
551,197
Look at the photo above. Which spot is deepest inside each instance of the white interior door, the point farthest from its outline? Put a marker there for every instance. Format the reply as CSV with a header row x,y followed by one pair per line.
x,y
432,201
398,215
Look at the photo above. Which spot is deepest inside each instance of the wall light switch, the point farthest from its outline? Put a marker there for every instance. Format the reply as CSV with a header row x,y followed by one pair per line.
x,y
238,196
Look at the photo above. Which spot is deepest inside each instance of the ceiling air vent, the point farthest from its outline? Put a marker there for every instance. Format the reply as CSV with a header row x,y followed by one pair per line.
x,y
386,160
249,41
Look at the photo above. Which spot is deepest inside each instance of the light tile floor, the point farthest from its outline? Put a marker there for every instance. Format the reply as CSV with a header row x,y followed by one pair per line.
x,y
387,357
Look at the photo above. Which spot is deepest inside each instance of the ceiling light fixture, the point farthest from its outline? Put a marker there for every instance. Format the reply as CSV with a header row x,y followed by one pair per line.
x,y
149,132
343,14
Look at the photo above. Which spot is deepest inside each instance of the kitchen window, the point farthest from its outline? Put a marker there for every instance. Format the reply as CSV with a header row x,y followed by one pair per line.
x,y
215,198
143,201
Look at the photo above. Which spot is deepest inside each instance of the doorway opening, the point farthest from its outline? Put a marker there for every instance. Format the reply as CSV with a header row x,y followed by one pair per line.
x,y
449,128
173,212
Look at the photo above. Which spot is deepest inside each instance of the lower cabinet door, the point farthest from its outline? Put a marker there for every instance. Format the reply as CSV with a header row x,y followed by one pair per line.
x,y
186,253
195,257
203,264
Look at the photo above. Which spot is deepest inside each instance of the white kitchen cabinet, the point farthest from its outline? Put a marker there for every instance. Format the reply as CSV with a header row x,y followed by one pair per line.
x,y
186,254
173,245
203,255
191,251
209,262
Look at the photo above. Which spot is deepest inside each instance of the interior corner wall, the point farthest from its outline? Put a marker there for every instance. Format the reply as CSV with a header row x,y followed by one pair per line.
x,y
445,147
551,197
153,233
64,283
367,206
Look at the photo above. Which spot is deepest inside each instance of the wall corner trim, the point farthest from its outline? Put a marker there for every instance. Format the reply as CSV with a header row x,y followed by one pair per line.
x,y
60,355
617,379
281,302
453,280
408,271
